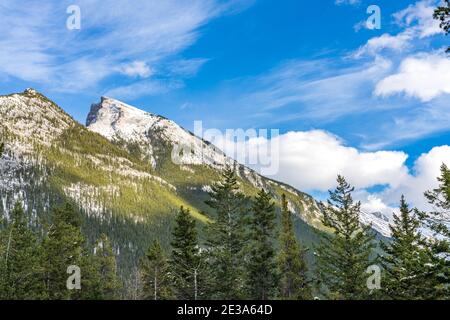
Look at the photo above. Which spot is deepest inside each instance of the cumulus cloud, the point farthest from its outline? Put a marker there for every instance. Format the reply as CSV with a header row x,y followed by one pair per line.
x,y
422,177
425,76
317,157
311,160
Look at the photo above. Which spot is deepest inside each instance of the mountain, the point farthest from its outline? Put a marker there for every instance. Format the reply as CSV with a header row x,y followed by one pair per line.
x,y
118,171
148,135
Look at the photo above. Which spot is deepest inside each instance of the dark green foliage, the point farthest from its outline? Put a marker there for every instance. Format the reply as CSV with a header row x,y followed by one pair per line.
x,y
343,258
442,14
406,261
262,278
155,274
187,266
440,199
438,221
20,272
62,247
225,238
294,283
100,280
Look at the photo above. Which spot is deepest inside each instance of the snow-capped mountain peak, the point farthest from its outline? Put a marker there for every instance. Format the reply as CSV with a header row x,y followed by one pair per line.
x,y
113,118
118,121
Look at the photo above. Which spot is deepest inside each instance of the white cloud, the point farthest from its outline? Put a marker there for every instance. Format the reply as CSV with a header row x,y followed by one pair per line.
x,y
418,23
186,67
315,89
137,69
422,178
386,41
373,203
425,76
311,160
37,46
420,15
144,87
319,156
360,25
349,2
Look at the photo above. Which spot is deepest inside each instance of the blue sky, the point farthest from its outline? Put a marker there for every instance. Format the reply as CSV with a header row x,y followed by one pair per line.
x,y
376,100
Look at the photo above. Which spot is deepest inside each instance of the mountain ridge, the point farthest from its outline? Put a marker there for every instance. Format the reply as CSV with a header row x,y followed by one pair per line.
x,y
136,131
49,158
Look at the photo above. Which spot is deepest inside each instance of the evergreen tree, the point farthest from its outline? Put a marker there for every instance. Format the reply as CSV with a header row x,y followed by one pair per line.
x,y
20,272
262,278
62,247
343,258
407,263
225,238
155,274
294,283
186,263
439,222
99,271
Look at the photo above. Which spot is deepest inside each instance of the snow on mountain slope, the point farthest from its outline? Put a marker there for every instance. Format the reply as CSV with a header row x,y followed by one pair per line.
x,y
116,120
33,117
49,155
41,135
378,220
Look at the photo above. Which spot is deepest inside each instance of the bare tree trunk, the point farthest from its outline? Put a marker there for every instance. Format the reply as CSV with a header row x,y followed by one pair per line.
x,y
8,247
195,284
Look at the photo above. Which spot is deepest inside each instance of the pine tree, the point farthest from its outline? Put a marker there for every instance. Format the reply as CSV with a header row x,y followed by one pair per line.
x,y
186,263
262,278
100,280
62,247
294,283
225,238
155,274
344,256
20,272
439,222
405,260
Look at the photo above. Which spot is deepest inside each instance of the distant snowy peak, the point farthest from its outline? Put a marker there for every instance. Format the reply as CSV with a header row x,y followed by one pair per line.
x,y
379,222
119,121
